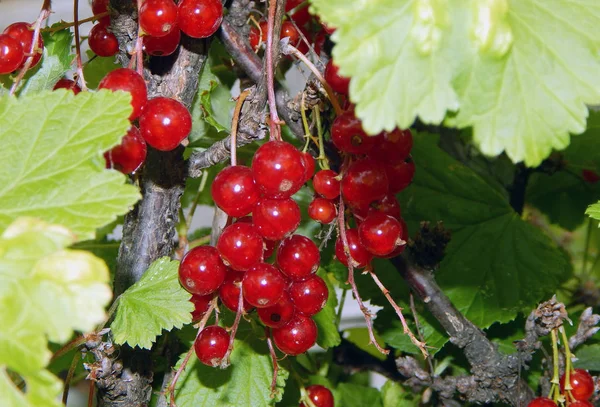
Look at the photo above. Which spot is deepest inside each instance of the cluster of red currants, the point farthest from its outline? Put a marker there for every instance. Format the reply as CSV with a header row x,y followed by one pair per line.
x,y
582,389
16,43
160,25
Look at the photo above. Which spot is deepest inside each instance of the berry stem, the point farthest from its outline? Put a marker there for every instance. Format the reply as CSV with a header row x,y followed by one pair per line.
x,y
323,161
365,311
291,50
307,134
234,125
555,389
137,53
80,77
69,377
273,360
568,366
59,27
44,14
398,310
233,330
91,392
413,309
274,123
338,316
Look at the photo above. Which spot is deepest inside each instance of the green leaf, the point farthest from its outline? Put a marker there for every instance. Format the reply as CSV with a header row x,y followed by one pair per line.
x,y
328,335
154,303
97,67
43,390
394,395
247,382
360,337
354,395
496,263
593,211
588,357
51,164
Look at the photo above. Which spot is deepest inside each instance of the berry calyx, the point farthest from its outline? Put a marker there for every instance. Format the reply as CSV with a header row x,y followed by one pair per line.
x,y
320,396
199,18
201,305
263,285
400,174
582,384
234,191
229,292
338,83
279,314
297,336
298,257
165,123
24,33
130,81
322,210
158,17
380,234
275,219
211,345
240,246
202,271
69,84
128,156
392,146
309,296
326,184
103,42
278,169
358,253
162,46
541,402
365,181
348,135
11,54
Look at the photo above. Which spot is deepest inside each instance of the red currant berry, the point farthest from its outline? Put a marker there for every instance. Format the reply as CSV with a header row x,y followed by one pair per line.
x,y
11,54
322,210
270,246
319,42
278,169
257,35
275,219
297,336
65,83
348,135
201,270
162,46
309,296
130,81
165,123
590,176
200,18
298,257
211,345
399,174
365,181
241,246
201,305
388,205
359,254
327,184
103,42
128,156
158,17
541,402
100,6
279,314
309,165
581,403
263,285
403,236
380,234
582,384
392,147
321,396
234,191
229,292
329,30
23,32
338,83
288,30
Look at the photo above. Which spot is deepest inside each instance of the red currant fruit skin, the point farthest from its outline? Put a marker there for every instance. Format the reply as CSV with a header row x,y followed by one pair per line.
x,y
581,382
130,81
275,219
162,46
300,16
581,403
23,32
338,83
241,246
234,191
359,254
68,84
348,135
322,210
365,181
392,147
165,123
326,184
11,54
541,402
590,176
403,236
202,271
297,336
278,314
229,292
201,305
298,257
400,174
380,234
309,165
99,6
309,296
258,35
128,156
158,17
321,396
211,345
103,42
289,30
388,205
263,285
278,169
200,18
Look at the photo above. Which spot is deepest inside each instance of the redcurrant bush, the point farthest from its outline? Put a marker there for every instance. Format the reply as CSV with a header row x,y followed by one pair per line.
x,y
128,156
298,257
202,271
69,84
158,17
380,234
263,285
229,292
358,253
337,82
541,402
327,184
278,169
322,210
241,246
365,181
276,218
165,123
234,191
162,46
348,135
279,314
103,42
23,32
201,305
297,336
582,384
130,81
320,396
200,18
211,345
309,296
11,54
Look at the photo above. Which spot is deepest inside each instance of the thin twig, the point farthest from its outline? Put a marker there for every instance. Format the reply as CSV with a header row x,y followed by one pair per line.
x,y
80,77
69,377
238,316
66,348
273,360
274,123
413,309
59,27
234,124
91,392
